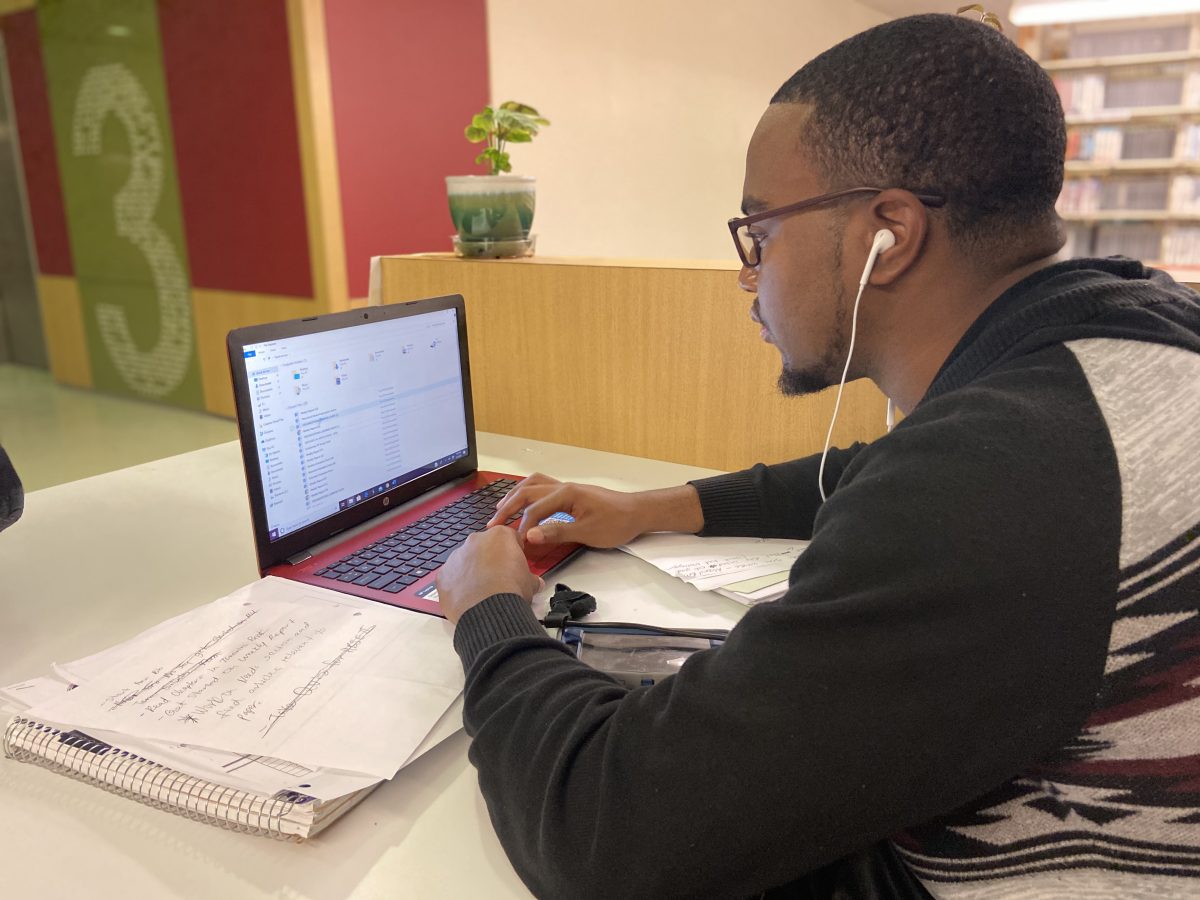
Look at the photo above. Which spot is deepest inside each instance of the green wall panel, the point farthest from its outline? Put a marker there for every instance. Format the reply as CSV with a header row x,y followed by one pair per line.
x,y
108,102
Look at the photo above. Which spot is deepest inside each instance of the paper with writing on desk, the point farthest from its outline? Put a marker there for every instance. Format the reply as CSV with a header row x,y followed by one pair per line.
x,y
277,669
752,585
710,562
756,590
260,774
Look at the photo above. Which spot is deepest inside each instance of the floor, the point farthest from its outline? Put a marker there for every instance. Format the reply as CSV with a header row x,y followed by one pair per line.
x,y
55,434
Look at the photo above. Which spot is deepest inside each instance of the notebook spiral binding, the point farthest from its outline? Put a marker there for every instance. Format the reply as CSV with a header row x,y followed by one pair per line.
x,y
125,774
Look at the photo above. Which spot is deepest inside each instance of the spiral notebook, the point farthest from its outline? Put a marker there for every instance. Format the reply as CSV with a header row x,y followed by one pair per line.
x,y
397,697
287,815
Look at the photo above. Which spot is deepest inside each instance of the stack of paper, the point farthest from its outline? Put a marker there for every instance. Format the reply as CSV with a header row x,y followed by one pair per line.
x,y
279,689
749,570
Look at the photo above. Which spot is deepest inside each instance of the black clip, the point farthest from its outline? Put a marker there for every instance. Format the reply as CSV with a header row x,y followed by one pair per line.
x,y
568,604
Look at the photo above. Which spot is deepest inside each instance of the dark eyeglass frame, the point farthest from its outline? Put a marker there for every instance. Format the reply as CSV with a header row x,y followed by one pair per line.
x,y
929,199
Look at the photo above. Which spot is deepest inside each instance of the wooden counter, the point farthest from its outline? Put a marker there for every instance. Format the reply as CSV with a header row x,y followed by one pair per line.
x,y
656,359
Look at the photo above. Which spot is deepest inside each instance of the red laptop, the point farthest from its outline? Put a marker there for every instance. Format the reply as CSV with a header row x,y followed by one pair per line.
x,y
358,439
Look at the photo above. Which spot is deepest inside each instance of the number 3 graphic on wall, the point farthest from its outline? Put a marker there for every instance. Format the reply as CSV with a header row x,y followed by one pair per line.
x,y
112,89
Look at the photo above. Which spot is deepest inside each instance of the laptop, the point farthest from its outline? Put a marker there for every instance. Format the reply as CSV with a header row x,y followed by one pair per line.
x,y
358,440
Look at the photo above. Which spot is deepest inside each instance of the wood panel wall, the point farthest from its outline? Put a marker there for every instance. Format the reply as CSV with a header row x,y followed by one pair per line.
x,y
654,359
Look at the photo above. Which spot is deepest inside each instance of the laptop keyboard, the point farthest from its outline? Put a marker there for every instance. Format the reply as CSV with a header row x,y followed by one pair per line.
x,y
394,562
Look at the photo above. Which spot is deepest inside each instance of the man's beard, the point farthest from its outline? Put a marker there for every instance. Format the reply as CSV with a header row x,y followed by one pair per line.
x,y
799,382
828,371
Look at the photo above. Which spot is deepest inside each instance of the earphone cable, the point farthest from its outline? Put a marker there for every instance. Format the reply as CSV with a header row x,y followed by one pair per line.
x,y
841,387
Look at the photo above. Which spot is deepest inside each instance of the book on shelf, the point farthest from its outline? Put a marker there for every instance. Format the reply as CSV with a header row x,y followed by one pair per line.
x,y
1181,246
1131,94
1083,41
200,715
1137,240
1188,146
1185,194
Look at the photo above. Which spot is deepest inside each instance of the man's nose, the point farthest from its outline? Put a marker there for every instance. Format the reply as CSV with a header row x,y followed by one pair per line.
x,y
748,279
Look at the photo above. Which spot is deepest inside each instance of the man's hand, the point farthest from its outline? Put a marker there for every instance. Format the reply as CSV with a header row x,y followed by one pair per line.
x,y
603,517
488,562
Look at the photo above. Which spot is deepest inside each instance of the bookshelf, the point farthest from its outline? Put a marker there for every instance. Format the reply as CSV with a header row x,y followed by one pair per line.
x,y
1130,89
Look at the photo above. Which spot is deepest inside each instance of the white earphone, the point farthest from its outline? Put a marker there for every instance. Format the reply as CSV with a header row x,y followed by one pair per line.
x,y
884,240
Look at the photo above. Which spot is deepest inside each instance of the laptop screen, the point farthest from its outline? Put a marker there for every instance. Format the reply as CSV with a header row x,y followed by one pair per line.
x,y
344,415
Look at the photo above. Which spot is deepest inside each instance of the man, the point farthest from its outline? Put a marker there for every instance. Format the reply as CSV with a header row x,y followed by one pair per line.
x,y
982,679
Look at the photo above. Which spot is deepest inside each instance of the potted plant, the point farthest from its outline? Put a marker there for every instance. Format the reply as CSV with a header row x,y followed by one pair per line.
x,y
494,212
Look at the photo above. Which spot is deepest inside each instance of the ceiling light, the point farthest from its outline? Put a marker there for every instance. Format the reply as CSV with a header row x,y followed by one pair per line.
x,y
1056,11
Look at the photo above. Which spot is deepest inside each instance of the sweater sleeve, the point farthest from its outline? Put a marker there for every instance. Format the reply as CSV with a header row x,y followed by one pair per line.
x,y
945,630
778,501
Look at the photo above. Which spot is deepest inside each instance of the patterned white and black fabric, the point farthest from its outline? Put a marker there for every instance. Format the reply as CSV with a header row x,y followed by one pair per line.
x,y
1116,812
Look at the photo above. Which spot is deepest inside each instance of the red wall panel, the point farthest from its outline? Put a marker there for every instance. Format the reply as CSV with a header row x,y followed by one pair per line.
x,y
31,109
406,77
237,149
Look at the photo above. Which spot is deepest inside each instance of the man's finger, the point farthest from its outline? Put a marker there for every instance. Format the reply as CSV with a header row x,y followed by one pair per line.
x,y
519,499
538,535
511,504
553,530
536,510
521,489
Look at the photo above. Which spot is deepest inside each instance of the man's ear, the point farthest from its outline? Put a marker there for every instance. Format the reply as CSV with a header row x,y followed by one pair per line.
x,y
907,218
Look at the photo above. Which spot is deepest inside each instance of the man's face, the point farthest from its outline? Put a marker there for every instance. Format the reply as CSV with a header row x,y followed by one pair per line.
x,y
801,297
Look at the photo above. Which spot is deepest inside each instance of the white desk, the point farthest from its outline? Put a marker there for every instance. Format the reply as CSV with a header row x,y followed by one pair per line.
x,y
96,561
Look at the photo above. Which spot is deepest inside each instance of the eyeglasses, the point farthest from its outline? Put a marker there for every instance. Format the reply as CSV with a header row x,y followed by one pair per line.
x,y
747,242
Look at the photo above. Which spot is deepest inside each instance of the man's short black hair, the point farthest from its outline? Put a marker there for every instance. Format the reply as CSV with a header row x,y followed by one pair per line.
x,y
939,102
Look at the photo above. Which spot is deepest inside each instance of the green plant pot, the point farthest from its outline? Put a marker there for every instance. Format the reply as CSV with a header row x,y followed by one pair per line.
x,y
492,214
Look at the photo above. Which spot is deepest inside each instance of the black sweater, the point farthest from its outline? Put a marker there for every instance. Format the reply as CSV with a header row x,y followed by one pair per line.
x,y
981,665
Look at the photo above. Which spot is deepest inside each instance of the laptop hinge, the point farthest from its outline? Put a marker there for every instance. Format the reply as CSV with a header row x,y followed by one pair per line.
x,y
299,558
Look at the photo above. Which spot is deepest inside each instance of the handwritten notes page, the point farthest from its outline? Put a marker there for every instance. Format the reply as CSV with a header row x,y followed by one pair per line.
x,y
259,774
710,563
277,669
